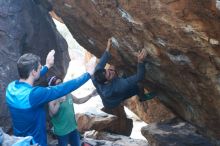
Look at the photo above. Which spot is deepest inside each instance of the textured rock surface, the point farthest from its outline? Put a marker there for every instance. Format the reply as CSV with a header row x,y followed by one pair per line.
x,y
25,27
122,125
150,111
87,122
182,39
107,139
174,132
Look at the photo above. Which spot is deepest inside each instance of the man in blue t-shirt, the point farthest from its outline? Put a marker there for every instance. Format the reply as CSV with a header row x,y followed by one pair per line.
x,y
26,102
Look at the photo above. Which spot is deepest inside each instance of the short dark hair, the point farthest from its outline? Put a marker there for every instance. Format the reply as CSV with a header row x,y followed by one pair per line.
x,y
26,63
99,76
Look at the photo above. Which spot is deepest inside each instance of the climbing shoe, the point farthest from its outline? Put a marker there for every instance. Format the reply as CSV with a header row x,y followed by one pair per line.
x,y
147,96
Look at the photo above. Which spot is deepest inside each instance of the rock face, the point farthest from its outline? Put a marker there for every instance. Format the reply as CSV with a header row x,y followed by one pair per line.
x,y
107,139
173,132
150,111
122,125
9,140
87,122
25,26
182,40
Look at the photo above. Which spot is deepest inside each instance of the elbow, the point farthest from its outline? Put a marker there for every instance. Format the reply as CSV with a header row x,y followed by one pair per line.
x,y
141,77
51,113
79,102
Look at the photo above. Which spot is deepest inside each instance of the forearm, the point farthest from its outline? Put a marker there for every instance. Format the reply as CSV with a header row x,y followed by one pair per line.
x,y
140,71
44,70
67,87
82,100
103,60
54,108
41,95
139,75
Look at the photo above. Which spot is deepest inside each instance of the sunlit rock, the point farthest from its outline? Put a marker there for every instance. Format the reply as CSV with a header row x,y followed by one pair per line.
x,y
87,122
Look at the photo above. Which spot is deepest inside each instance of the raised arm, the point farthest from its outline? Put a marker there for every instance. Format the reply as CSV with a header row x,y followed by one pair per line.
x,y
42,95
84,99
43,71
140,68
49,63
105,56
54,107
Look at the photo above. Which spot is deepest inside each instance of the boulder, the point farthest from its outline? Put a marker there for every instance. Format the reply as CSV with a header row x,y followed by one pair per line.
x,y
108,139
26,27
174,132
122,125
87,121
182,39
149,111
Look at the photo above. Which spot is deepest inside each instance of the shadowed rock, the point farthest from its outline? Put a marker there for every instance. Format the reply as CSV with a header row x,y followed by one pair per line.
x,y
122,125
150,111
107,139
9,140
26,27
114,121
174,132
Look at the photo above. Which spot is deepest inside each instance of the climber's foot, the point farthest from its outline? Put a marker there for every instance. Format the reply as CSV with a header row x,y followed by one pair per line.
x,y
148,96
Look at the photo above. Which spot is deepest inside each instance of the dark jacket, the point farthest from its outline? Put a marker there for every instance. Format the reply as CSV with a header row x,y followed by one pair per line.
x,y
119,89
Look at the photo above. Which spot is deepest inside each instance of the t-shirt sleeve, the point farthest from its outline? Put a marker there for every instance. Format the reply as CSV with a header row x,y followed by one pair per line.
x,y
41,95
43,71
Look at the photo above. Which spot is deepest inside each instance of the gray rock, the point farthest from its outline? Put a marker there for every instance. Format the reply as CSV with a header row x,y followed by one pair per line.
x,y
26,27
174,132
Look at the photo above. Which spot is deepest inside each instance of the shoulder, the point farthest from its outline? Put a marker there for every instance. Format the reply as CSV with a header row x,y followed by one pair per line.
x,y
39,91
12,84
39,88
